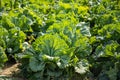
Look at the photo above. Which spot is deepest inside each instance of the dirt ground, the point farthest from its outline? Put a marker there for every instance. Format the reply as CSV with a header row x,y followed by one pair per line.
x,y
9,69
8,72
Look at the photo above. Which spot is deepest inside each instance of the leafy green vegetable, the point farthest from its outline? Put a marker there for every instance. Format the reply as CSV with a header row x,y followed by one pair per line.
x,y
3,57
62,39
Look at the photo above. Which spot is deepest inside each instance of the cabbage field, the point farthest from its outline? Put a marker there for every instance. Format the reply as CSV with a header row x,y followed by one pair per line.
x,y
61,39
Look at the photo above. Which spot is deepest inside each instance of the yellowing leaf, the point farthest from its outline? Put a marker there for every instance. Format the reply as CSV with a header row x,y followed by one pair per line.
x,y
82,9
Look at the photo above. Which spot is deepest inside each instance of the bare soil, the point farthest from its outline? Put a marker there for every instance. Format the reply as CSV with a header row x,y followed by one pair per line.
x,y
9,70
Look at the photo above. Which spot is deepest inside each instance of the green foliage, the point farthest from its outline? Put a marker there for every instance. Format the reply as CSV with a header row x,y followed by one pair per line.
x,y
49,56
3,38
16,39
3,57
62,38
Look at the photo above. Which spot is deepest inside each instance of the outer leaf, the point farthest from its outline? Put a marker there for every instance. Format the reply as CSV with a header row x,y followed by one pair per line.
x,y
84,28
36,65
82,67
3,57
